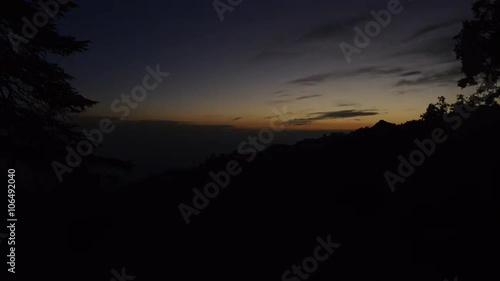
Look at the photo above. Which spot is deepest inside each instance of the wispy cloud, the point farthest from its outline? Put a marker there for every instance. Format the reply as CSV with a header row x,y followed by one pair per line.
x,y
447,76
376,70
344,114
345,104
410,73
313,79
308,97
326,76
341,114
236,119
431,28
440,49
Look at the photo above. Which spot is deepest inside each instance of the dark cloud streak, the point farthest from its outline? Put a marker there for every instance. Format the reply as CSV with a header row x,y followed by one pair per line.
x,y
326,76
446,76
431,28
346,104
342,114
308,97
410,73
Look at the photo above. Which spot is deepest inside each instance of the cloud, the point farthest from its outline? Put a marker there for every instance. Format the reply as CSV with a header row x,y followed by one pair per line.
x,y
344,114
406,91
376,70
326,76
313,79
431,28
440,49
346,104
299,122
236,119
308,97
410,73
341,114
443,77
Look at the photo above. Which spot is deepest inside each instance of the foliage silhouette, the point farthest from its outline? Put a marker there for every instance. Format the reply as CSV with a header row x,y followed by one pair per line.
x,y
37,101
36,97
477,46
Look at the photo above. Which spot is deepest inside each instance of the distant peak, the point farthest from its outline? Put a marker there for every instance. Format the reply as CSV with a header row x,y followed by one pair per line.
x,y
384,123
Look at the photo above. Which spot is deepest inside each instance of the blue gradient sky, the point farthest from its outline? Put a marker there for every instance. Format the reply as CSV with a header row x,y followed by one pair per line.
x,y
267,54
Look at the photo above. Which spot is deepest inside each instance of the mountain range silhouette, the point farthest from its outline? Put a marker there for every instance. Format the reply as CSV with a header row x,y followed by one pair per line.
x,y
439,223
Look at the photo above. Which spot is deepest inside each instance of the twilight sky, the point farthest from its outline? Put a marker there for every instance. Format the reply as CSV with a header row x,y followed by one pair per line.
x,y
266,54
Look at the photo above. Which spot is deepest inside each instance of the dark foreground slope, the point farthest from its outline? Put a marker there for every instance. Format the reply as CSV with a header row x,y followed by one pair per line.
x,y
439,223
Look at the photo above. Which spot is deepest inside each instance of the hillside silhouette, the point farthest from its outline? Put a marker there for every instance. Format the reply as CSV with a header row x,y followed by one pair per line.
x,y
411,201
438,224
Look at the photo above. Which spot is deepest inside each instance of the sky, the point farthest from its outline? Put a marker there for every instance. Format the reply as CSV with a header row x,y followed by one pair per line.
x,y
267,54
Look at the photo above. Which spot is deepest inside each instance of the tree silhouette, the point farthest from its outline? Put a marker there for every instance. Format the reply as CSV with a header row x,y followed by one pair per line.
x,y
436,111
37,100
477,46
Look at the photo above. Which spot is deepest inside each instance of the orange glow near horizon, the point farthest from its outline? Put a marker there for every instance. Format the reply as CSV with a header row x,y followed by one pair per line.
x,y
258,124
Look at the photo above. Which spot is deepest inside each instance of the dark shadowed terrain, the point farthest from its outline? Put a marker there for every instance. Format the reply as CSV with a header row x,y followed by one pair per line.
x,y
196,195
439,223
